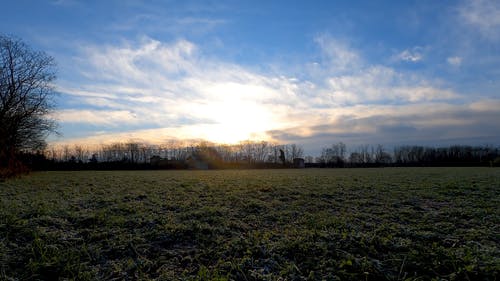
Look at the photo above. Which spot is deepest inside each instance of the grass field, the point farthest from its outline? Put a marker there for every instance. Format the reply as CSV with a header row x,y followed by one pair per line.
x,y
312,224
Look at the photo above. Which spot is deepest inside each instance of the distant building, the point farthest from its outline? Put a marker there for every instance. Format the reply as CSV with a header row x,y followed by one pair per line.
x,y
299,163
195,163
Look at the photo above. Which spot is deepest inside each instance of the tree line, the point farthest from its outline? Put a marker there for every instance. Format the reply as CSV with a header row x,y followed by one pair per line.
x,y
171,154
255,154
409,155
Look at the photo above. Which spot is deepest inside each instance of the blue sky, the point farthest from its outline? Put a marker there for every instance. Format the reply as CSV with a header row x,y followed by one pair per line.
x,y
308,72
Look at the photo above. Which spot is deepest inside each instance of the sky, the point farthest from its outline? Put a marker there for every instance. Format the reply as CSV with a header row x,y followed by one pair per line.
x,y
312,73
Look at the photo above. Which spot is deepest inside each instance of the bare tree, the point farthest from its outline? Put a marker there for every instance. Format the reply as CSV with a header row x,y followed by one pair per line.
x,y
356,158
79,153
261,151
295,151
132,151
274,156
381,156
334,155
26,93
365,154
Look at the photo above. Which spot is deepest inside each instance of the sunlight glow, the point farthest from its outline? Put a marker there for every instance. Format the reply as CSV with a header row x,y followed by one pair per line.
x,y
233,121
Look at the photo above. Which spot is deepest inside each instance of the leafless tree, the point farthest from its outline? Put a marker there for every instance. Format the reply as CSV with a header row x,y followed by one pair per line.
x,y
26,97
295,151
309,159
79,153
334,154
132,151
381,156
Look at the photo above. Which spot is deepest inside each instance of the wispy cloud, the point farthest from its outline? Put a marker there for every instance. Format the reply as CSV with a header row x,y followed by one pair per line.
x,y
98,117
167,84
338,56
64,2
414,54
177,18
428,123
379,84
454,61
366,83
484,15
176,91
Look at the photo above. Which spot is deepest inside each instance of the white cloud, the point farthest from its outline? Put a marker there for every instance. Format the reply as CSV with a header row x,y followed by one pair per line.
x,y
97,117
454,61
411,55
379,84
169,85
339,56
484,15
176,90
146,63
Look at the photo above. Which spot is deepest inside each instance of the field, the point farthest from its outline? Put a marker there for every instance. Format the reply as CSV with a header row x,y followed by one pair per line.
x,y
310,224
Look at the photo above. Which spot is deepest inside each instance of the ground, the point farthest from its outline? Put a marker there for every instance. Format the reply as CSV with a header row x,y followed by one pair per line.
x,y
307,224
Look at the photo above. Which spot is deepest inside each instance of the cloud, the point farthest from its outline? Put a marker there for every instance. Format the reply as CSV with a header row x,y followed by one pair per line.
x,y
411,55
427,123
64,2
167,85
97,117
378,84
366,83
154,91
454,61
186,19
339,57
146,63
483,15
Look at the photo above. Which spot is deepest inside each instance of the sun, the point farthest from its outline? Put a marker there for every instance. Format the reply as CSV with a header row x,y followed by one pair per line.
x,y
236,120
232,112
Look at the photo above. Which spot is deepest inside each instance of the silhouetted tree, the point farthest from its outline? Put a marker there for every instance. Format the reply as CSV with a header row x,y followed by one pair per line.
x,y
381,156
295,151
282,156
356,158
334,155
26,93
132,151
309,159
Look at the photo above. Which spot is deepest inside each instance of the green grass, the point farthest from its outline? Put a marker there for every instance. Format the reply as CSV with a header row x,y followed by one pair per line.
x,y
324,224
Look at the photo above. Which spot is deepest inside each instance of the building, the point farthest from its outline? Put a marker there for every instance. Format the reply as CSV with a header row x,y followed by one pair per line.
x,y
299,163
